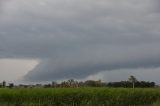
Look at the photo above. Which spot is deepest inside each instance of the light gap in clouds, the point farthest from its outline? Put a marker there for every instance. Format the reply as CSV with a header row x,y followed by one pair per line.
x,y
12,69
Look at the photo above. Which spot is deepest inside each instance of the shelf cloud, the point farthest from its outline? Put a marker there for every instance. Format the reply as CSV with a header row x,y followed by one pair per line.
x,y
79,38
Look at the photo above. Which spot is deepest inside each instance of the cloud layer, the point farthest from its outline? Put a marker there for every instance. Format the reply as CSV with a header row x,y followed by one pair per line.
x,y
78,38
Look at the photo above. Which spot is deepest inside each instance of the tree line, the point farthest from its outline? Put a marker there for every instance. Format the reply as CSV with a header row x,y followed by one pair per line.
x,y
132,82
127,84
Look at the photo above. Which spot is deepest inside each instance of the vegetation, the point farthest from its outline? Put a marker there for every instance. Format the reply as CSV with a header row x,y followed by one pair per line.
x,y
131,83
127,84
133,80
87,93
79,96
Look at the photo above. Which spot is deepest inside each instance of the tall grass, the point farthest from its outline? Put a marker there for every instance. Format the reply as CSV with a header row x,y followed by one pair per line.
x,y
79,97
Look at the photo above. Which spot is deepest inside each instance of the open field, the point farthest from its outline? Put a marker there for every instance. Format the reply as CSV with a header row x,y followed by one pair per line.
x,y
79,97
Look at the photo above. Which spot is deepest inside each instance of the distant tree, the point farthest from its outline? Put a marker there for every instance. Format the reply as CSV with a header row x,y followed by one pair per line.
x,y
93,83
71,82
127,84
64,84
90,83
54,84
0,85
133,80
38,85
47,86
152,84
81,84
4,83
11,85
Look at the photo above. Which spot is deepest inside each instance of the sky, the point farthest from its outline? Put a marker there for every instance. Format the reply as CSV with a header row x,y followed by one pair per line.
x,y
46,40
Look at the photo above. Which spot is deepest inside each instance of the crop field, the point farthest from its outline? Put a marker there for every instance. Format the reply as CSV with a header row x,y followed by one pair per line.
x,y
79,97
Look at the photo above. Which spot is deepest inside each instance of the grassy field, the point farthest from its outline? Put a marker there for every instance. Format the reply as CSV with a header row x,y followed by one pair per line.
x,y
79,97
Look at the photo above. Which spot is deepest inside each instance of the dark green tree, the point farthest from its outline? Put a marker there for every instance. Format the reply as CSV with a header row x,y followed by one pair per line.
x,y
133,80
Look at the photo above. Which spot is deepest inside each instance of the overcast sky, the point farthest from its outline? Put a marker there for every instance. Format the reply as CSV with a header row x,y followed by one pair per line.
x,y
79,39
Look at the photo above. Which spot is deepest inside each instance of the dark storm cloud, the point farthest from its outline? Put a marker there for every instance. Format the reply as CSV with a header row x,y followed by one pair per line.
x,y
75,39
81,64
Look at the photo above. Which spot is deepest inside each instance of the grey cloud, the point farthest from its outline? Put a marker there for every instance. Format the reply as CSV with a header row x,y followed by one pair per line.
x,y
82,63
75,39
142,74
2,3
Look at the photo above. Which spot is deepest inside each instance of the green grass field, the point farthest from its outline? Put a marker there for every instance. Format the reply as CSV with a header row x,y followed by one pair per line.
x,y
79,97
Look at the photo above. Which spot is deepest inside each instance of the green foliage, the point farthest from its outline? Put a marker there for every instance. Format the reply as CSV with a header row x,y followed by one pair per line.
x,y
157,103
79,97
127,84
